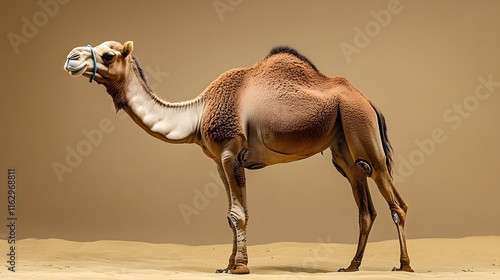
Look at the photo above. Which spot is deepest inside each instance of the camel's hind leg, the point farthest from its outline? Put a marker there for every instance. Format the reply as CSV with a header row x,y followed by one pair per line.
x,y
360,124
343,162
398,209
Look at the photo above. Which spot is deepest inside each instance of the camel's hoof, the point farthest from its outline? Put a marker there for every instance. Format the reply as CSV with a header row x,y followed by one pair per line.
x,y
226,271
238,269
349,269
406,268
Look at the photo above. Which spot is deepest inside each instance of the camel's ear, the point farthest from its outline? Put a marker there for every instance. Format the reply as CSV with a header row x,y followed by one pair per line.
x,y
127,48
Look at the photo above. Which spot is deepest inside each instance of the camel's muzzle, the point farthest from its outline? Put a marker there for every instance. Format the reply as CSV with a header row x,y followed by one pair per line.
x,y
76,67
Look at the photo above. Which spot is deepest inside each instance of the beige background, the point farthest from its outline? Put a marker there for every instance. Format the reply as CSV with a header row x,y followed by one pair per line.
x,y
418,68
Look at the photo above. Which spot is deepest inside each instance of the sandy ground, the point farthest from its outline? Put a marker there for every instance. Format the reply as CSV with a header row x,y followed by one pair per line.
x,y
466,258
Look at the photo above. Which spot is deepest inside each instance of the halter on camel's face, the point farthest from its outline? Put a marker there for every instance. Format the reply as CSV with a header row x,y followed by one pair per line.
x,y
102,63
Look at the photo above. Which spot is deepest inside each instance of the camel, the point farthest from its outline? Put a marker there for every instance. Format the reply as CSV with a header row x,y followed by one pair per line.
x,y
282,109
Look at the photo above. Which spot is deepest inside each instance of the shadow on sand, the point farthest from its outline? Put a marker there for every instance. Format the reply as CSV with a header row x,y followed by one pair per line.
x,y
290,269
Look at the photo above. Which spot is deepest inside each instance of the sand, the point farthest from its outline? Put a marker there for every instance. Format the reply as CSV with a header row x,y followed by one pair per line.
x,y
465,258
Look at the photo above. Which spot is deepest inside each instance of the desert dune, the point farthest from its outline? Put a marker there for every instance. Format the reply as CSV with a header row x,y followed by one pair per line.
x,y
465,258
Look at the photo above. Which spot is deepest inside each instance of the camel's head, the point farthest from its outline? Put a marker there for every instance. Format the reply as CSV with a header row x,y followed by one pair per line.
x,y
106,63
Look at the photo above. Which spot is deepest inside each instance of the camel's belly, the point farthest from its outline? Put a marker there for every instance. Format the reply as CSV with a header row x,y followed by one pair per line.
x,y
273,148
288,126
297,134
259,157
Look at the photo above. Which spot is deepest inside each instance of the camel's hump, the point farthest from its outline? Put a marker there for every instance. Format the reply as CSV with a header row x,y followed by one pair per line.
x,y
292,51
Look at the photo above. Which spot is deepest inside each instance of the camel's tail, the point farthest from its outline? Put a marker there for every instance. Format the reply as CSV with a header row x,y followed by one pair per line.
x,y
385,139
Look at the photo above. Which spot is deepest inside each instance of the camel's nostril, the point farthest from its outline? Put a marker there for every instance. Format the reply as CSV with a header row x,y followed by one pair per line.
x,y
74,56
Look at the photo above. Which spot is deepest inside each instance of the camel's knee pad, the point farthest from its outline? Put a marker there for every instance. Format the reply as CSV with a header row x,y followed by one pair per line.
x,y
365,167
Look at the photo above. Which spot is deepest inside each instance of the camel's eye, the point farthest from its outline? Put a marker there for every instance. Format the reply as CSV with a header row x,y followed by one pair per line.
x,y
108,57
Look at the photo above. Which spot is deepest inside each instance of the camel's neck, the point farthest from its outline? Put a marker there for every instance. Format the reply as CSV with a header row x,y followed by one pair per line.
x,y
170,122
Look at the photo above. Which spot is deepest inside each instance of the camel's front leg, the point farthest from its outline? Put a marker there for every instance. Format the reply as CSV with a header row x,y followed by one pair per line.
x,y
233,175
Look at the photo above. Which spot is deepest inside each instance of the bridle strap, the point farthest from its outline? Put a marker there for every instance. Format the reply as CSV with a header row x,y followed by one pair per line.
x,y
95,64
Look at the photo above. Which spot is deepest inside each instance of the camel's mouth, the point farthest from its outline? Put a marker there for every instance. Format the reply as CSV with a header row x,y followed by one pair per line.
x,y
76,71
77,68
